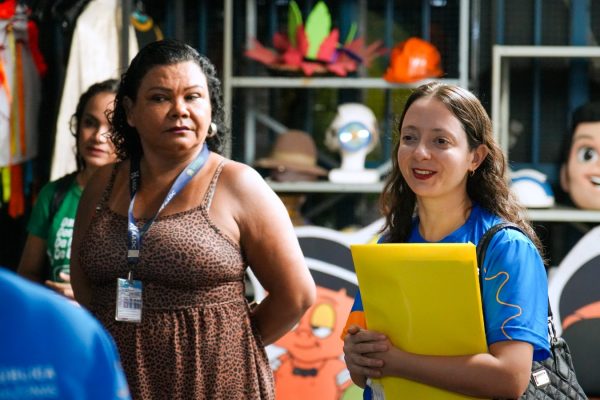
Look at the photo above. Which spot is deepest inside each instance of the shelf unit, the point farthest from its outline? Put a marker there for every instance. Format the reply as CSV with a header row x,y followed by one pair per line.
x,y
335,83
563,214
556,214
501,57
231,82
325,187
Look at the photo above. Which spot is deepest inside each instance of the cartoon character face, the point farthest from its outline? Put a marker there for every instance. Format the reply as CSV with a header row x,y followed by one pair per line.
x,y
316,338
580,176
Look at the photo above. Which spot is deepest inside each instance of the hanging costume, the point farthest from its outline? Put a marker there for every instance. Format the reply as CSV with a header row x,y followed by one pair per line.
x,y
21,66
94,57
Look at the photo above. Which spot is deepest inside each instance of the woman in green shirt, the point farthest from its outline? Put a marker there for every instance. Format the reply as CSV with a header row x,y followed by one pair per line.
x,y
51,223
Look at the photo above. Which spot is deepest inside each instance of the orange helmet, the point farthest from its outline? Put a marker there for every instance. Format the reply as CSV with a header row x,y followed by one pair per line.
x,y
413,60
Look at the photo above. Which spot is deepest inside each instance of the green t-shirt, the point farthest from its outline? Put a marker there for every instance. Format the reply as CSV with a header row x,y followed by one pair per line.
x,y
57,232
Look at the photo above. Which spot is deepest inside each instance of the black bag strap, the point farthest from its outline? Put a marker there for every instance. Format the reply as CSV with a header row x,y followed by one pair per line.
x,y
62,187
485,240
482,246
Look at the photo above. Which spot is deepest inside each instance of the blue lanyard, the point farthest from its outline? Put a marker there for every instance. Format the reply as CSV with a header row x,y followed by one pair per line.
x,y
134,234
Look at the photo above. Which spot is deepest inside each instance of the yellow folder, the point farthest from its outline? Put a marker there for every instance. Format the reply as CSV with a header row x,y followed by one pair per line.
x,y
426,299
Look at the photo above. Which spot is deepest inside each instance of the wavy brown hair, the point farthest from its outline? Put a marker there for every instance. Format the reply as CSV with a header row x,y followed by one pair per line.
x,y
488,186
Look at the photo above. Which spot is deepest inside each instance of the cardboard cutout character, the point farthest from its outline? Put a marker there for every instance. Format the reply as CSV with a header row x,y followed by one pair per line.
x,y
311,366
575,300
308,361
580,173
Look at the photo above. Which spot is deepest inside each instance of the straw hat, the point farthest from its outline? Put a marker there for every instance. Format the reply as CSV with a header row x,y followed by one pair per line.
x,y
295,151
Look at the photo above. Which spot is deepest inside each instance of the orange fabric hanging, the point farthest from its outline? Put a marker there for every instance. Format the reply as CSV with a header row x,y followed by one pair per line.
x,y
13,110
16,204
21,96
16,45
13,121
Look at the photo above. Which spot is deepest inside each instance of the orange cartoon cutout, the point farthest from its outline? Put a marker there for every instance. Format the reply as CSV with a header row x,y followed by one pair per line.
x,y
312,367
580,171
588,311
308,361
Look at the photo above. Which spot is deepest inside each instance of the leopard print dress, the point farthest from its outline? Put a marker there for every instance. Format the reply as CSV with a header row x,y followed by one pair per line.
x,y
196,339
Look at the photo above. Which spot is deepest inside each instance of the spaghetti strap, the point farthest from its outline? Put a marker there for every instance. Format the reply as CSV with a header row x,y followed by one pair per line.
x,y
108,189
213,184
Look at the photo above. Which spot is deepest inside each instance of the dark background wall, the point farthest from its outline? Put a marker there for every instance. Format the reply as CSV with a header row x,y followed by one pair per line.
x,y
200,23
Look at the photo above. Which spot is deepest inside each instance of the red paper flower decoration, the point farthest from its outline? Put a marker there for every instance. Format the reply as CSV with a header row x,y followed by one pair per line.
x,y
314,48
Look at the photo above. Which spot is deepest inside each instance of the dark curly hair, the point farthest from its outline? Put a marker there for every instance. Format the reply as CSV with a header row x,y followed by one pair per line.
x,y
107,86
160,53
488,186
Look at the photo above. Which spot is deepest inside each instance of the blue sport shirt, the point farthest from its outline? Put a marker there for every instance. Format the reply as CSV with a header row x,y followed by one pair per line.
x,y
51,348
514,284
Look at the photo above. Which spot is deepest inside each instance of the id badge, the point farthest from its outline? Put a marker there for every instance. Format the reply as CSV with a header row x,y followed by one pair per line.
x,y
129,300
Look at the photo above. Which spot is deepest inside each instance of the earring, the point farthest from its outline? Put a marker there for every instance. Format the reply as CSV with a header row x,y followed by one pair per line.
x,y
212,129
471,173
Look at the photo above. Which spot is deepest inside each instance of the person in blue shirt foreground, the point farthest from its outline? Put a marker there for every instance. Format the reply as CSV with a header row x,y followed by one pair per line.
x,y
448,185
51,348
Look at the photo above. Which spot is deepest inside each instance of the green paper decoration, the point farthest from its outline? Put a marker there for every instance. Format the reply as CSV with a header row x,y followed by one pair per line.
x,y
351,34
294,21
318,27
313,47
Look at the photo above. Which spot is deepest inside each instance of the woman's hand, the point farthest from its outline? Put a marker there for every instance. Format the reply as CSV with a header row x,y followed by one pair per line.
x,y
502,373
359,344
63,288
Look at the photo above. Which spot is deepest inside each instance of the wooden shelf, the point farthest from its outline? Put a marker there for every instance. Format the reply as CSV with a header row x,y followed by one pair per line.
x,y
315,82
555,214
325,187
563,214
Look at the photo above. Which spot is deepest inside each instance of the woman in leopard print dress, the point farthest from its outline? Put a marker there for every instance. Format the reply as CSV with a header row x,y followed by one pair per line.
x,y
197,338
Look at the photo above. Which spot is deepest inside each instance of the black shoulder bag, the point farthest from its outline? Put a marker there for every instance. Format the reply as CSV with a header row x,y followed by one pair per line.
x,y
554,378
